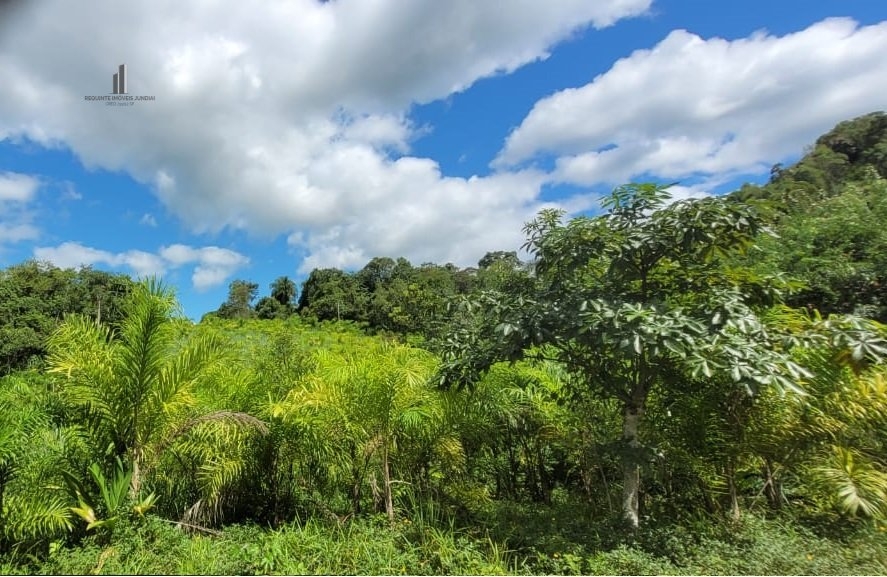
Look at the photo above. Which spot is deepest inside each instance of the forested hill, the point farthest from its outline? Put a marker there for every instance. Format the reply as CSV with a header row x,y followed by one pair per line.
x,y
853,151
828,212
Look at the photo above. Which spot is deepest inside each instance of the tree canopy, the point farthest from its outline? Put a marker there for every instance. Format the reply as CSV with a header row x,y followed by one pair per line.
x,y
35,297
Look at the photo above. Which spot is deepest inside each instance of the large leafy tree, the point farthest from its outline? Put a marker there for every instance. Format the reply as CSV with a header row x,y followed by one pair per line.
x,y
268,308
416,305
241,294
332,294
631,301
281,303
508,258
379,272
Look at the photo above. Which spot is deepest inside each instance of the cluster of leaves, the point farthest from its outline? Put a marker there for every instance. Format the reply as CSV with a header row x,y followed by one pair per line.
x,y
35,297
36,446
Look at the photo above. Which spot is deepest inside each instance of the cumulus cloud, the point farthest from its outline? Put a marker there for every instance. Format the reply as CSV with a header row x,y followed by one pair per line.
x,y
444,219
76,255
711,107
17,187
680,192
148,220
288,117
17,192
213,265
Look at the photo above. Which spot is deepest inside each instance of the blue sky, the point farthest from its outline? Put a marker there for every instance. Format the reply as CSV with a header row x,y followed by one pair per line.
x,y
290,134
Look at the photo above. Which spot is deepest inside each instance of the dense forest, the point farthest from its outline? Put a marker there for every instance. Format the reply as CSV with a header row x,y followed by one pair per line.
x,y
666,387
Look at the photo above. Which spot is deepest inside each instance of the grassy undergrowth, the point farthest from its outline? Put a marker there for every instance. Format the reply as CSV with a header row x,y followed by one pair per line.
x,y
565,539
512,539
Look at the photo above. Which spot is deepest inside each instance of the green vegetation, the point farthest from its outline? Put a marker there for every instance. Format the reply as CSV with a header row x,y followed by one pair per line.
x,y
668,388
827,212
35,296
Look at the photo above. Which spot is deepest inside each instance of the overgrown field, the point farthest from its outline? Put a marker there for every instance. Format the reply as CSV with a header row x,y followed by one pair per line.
x,y
488,481
667,388
513,539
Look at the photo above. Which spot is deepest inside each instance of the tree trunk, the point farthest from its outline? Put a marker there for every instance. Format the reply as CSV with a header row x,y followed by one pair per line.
x,y
544,480
607,490
771,486
378,497
512,468
135,484
734,495
631,470
712,506
275,487
386,474
355,496
355,482
530,483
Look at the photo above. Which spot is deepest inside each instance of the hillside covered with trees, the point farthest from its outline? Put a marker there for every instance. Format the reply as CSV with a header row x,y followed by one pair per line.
x,y
666,387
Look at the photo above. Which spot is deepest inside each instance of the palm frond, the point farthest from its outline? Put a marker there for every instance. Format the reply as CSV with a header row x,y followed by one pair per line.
x,y
859,487
38,516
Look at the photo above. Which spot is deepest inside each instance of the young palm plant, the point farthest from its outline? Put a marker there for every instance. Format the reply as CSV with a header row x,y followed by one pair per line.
x,y
135,384
367,402
832,437
852,420
33,452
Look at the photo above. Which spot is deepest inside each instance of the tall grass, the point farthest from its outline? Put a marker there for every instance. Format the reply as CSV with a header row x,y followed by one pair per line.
x,y
372,546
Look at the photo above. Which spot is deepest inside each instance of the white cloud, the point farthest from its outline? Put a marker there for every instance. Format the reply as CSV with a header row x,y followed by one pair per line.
x,y
76,255
15,187
17,192
11,233
712,107
379,131
179,254
679,192
440,220
287,117
73,255
213,265
142,263
148,220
